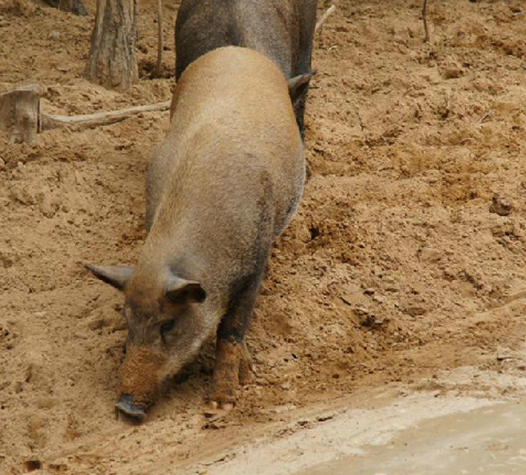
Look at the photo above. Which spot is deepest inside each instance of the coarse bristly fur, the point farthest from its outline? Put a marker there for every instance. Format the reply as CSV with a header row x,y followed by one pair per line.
x,y
221,187
282,30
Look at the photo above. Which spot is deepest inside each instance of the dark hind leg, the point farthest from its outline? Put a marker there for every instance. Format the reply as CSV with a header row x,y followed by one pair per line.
x,y
231,354
299,112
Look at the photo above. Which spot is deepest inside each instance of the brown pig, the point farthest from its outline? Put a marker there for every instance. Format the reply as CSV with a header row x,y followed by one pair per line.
x,y
221,187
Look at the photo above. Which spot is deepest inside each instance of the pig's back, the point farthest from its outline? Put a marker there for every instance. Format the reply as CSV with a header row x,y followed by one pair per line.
x,y
232,163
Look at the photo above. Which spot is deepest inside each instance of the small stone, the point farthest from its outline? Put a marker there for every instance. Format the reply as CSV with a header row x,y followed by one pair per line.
x,y
353,297
96,324
415,311
303,234
428,254
53,35
48,207
371,321
453,72
6,260
500,205
33,464
467,289
21,195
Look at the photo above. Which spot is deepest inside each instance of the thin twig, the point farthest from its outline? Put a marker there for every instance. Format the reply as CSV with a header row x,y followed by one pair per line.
x,y
160,38
448,104
424,17
326,15
485,116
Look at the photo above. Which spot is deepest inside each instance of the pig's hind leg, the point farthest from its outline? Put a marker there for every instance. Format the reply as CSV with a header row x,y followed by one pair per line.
x,y
232,359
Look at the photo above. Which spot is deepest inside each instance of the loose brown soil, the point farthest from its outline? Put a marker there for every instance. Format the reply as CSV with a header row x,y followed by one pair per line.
x,y
407,256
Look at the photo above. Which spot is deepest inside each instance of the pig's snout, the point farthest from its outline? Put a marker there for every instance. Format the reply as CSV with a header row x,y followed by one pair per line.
x,y
127,406
139,380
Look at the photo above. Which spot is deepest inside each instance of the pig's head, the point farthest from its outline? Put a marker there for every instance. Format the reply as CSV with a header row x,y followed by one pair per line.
x,y
166,328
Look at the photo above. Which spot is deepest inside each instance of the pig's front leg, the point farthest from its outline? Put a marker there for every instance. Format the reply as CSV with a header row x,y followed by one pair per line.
x,y
226,374
232,358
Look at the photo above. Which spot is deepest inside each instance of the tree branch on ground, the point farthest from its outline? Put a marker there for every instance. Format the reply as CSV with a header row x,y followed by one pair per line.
x,y
424,17
22,119
49,122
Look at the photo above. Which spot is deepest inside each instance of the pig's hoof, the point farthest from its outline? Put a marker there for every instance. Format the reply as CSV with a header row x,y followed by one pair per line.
x,y
126,406
217,409
222,406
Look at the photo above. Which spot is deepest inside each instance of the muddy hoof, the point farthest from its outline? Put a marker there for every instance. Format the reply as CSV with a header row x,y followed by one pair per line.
x,y
216,409
127,406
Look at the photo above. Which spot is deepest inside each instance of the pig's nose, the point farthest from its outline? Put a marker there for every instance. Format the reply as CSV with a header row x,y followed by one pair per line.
x,y
128,407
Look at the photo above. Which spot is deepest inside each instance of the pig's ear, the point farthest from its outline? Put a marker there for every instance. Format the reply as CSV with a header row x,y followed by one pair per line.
x,y
117,276
185,291
298,84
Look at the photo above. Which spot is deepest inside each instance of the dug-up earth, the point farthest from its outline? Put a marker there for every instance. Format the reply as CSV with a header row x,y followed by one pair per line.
x,y
406,260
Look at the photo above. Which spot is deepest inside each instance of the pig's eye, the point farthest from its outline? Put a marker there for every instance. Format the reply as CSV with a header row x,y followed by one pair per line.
x,y
166,327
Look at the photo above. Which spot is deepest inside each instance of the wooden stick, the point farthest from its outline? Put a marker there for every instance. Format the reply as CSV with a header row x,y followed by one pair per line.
x,y
424,17
49,122
485,116
22,119
324,17
159,38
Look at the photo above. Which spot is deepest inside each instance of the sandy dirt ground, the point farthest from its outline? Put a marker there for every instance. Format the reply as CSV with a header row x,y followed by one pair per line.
x,y
399,429
407,256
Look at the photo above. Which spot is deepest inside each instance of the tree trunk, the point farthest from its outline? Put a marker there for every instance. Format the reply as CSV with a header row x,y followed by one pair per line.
x,y
20,114
112,60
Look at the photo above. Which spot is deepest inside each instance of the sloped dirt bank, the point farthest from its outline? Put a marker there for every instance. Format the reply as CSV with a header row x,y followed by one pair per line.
x,y
407,256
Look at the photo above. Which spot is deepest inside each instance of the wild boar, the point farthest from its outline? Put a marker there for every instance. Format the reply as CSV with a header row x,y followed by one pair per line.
x,y
221,187
282,30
